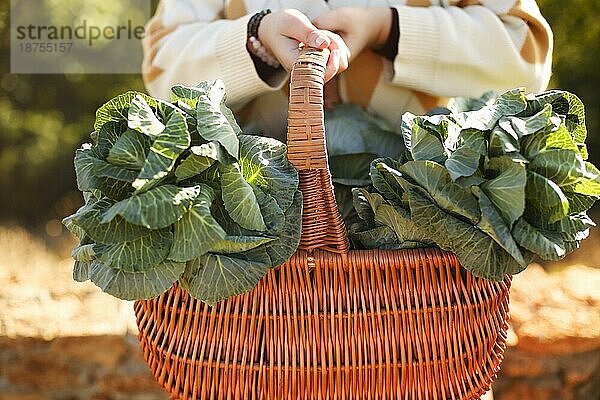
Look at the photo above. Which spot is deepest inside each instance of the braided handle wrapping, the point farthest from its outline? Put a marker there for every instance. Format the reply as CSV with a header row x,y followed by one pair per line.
x,y
322,224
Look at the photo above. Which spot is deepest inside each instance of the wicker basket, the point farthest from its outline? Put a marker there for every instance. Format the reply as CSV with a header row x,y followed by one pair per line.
x,y
331,323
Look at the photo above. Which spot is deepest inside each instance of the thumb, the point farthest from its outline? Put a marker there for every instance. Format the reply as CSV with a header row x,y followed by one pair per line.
x,y
327,21
302,30
317,39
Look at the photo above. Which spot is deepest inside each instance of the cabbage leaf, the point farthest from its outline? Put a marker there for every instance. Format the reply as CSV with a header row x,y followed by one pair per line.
x,y
174,192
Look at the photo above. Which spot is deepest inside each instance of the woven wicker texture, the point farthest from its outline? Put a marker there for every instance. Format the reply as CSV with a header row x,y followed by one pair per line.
x,y
331,323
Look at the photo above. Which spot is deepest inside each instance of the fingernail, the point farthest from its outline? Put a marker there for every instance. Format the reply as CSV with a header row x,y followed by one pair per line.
x,y
320,40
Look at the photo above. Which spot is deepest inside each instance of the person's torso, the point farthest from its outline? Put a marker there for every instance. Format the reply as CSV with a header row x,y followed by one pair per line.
x,y
365,82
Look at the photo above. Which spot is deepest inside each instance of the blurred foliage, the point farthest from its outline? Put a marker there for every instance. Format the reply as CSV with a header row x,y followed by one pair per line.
x,y
44,118
576,48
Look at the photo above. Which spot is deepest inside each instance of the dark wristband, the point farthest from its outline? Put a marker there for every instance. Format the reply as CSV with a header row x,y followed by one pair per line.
x,y
264,70
390,49
254,23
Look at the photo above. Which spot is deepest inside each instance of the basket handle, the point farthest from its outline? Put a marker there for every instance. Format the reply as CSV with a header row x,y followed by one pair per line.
x,y
322,224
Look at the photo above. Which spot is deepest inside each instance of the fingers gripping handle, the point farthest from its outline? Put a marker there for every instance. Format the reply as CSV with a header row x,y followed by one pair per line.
x,y
322,224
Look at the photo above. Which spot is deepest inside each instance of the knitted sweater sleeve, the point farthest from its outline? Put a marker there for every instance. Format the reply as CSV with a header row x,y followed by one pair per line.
x,y
187,42
467,47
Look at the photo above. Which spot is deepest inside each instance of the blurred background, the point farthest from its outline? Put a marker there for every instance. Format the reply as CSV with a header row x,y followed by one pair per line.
x,y
62,340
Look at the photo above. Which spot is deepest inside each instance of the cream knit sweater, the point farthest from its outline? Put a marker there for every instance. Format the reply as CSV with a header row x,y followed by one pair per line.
x,y
446,48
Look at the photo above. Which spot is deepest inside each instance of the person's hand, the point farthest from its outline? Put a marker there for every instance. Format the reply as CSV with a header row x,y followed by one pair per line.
x,y
281,32
360,27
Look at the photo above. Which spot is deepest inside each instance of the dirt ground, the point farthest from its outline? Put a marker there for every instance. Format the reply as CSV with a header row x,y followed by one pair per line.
x,y
38,297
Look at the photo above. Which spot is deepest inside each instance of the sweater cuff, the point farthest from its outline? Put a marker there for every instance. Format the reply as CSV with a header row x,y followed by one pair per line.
x,y
418,47
237,68
390,48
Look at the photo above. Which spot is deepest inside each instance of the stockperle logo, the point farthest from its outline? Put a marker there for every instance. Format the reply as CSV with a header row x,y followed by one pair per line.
x,y
77,36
